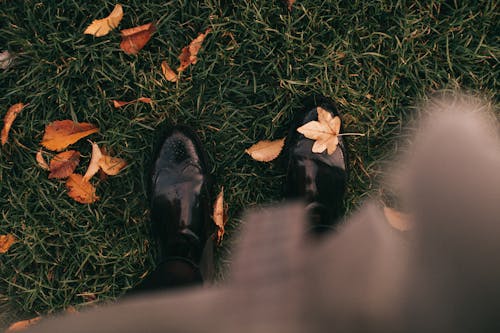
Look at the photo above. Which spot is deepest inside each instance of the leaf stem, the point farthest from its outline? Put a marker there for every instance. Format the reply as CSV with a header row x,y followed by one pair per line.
x,y
351,134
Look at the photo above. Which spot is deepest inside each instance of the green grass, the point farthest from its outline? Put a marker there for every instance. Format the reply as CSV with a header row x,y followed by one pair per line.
x,y
376,59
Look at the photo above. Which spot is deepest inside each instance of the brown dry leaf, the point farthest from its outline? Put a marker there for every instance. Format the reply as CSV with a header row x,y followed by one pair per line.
x,y
325,132
289,4
168,72
63,164
22,325
6,242
5,59
41,161
61,133
81,190
398,220
134,39
265,151
220,215
111,165
103,26
94,162
9,119
119,104
189,53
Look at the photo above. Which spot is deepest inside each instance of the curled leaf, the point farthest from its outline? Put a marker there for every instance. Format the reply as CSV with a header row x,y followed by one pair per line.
x,y
265,151
168,72
5,59
398,220
189,53
119,104
9,119
325,132
41,161
103,26
80,189
6,242
22,325
220,215
111,165
63,164
61,133
134,39
94,162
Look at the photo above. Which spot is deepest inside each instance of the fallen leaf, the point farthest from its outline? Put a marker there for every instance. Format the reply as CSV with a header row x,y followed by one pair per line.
x,y
289,4
81,190
168,72
103,26
94,162
189,53
22,325
41,160
119,104
63,164
5,59
6,242
325,132
111,165
265,151
220,215
398,220
134,39
61,133
9,119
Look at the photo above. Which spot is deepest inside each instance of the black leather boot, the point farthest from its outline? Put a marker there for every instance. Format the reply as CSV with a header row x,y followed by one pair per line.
x,y
318,178
180,209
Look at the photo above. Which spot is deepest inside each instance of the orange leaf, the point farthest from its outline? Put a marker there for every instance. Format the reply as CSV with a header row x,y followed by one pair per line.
x,y
6,242
61,133
22,325
119,104
398,220
265,151
111,165
189,53
289,4
63,164
220,215
41,160
103,26
9,119
168,72
80,189
325,132
134,39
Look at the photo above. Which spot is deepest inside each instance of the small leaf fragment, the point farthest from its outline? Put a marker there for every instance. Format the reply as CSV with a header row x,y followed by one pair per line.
x,y
134,39
41,161
398,220
9,119
189,53
325,132
5,59
289,4
81,190
63,164
220,215
265,151
61,133
22,325
119,104
102,27
111,165
6,242
94,162
168,72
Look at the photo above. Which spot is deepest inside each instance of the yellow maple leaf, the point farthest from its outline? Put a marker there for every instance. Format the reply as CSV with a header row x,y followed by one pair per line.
x,y
325,131
103,26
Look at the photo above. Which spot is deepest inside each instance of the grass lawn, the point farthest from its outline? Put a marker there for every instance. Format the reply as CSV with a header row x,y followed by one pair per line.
x,y
375,59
